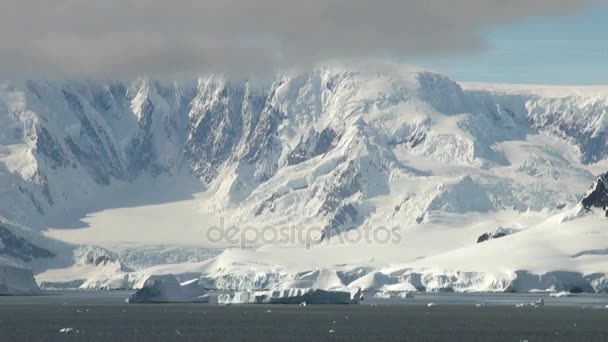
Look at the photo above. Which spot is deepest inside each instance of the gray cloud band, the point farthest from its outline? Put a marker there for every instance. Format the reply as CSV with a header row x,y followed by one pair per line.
x,y
130,37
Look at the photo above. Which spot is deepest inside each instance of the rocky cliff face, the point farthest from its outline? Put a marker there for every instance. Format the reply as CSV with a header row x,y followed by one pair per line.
x,y
597,196
16,279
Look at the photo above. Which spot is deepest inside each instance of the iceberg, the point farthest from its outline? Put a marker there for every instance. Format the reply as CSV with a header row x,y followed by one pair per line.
x,y
290,296
167,289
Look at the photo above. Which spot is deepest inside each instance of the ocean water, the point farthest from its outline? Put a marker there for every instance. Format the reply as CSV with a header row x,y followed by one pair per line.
x,y
104,316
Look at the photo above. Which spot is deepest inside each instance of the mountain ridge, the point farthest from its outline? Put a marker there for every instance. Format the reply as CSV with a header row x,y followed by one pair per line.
x,y
335,147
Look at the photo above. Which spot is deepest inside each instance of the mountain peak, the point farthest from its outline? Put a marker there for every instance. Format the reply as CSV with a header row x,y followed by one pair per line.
x,y
597,196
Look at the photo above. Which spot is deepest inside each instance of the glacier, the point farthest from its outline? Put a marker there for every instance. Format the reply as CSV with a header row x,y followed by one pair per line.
x,y
106,183
290,296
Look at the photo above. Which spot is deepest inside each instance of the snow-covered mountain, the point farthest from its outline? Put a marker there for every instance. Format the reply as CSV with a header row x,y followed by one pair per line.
x,y
337,147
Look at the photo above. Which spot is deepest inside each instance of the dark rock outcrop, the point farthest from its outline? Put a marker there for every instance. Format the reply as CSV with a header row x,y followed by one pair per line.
x,y
20,248
488,236
496,234
597,196
314,145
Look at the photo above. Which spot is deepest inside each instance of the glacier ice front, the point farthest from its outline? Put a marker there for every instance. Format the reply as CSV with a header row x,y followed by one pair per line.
x,y
290,296
167,289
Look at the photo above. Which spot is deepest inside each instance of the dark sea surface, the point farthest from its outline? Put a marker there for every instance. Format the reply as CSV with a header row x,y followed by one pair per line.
x,y
104,316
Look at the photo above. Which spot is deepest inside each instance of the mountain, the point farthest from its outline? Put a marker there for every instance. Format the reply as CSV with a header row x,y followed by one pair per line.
x,y
338,148
597,196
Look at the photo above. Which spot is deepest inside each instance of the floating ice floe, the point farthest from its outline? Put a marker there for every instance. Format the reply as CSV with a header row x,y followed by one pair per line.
x,y
430,305
561,294
167,289
537,304
480,305
290,296
393,294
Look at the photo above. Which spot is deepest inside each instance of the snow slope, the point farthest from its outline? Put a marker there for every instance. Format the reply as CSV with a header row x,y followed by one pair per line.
x,y
153,165
566,252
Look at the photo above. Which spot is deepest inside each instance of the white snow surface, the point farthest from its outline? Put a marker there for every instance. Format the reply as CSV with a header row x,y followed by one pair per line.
x,y
139,172
167,289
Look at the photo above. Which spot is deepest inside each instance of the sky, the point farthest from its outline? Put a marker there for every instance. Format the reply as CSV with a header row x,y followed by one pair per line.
x,y
565,50
516,41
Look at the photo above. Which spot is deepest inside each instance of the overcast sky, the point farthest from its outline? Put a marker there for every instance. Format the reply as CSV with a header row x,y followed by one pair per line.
x,y
123,38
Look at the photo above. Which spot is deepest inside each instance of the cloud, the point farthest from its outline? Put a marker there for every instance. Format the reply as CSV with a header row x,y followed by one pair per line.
x,y
130,37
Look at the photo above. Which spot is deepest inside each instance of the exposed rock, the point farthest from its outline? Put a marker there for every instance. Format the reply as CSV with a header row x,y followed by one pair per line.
x,y
496,234
18,247
94,255
315,144
597,196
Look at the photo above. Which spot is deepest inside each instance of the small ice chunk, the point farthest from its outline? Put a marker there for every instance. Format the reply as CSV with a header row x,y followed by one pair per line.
x,y
382,295
66,330
561,294
431,305
537,304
